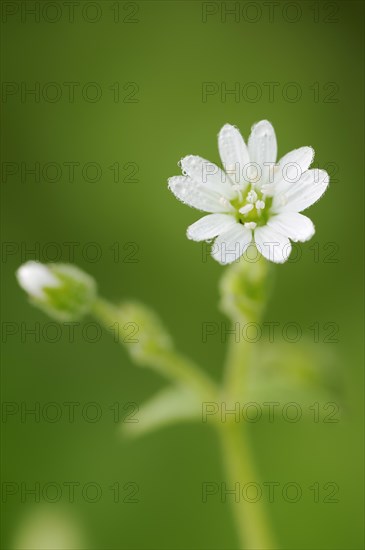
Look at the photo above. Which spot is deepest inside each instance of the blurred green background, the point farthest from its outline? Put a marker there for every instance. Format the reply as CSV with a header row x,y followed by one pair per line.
x,y
168,50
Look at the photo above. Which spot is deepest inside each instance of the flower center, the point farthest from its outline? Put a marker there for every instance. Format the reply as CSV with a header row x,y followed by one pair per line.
x,y
252,207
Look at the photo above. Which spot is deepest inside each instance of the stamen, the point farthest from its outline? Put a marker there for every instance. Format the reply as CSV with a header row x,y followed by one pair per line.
x,y
237,188
246,209
252,196
250,225
260,205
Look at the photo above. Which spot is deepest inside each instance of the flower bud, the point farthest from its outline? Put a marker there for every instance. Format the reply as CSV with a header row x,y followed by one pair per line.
x,y
62,291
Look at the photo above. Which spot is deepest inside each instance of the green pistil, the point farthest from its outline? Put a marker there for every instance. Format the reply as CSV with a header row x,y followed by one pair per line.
x,y
260,217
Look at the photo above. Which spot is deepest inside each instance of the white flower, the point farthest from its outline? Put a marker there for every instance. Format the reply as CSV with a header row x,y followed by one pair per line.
x,y
63,291
254,199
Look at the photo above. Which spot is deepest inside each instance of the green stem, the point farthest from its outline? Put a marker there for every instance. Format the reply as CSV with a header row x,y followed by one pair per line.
x,y
182,370
167,362
250,517
240,355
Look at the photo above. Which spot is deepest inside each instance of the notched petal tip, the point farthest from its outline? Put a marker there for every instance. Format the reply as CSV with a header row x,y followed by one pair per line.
x,y
312,152
227,128
307,151
263,127
308,236
185,161
326,177
221,259
188,234
170,182
176,185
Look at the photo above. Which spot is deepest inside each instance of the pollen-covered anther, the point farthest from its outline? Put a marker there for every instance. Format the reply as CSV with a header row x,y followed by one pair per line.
x,y
246,209
250,225
260,205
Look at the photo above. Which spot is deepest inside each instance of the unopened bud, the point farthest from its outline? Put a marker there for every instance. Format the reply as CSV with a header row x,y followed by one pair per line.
x,y
62,291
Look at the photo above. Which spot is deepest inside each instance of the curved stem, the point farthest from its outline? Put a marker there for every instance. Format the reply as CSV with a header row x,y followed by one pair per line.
x,y
182,370
167,362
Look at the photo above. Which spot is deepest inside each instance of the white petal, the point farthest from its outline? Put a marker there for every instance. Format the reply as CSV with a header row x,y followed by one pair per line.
x,y
293,225
198,195
33,277
291,167
272,245
303,193
262,148
210,226
231,244
233,152
208,174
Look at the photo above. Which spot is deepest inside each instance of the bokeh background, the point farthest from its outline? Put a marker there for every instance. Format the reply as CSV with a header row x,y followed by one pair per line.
x,y
161,53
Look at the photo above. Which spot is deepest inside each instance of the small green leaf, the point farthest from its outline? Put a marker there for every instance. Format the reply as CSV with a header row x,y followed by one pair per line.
x,y
170,406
